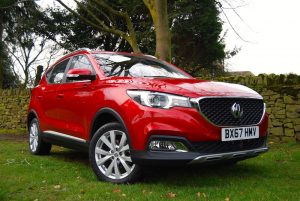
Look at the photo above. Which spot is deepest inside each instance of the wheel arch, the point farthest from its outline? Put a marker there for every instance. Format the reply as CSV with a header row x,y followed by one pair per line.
x,y
104,116
31,115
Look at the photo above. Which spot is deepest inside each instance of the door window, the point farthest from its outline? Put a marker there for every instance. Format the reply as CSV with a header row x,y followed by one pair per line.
x,y
58,72
81,61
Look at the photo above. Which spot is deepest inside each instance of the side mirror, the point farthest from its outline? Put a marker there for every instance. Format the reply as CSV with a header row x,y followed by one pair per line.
x,y
79,74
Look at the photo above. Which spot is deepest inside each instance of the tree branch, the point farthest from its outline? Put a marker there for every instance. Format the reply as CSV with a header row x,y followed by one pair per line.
x,y
130,37
17,58
12,5
232,27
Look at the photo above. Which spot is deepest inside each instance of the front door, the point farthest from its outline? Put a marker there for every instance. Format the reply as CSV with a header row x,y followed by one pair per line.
x,y
76,97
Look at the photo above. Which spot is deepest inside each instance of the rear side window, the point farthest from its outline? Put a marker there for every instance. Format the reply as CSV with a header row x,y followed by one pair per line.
x,y
58,72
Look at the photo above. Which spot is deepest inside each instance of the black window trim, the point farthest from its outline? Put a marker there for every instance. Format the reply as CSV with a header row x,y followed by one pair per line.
x,y
64,80
69,65
64,77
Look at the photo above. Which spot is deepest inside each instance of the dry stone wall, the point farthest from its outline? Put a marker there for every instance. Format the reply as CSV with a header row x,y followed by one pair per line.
x,y
13,108
281,94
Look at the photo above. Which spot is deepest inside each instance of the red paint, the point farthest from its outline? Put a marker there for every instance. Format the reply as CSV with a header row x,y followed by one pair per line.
x,y
71,107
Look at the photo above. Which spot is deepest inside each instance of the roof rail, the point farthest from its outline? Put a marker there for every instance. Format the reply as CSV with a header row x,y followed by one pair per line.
x,y
151,56
82,49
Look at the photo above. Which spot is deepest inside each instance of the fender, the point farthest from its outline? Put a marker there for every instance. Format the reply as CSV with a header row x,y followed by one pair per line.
x,y
115,114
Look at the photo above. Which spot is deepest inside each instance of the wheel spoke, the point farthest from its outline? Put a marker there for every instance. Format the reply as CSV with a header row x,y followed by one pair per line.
x,y
127,168
126,158
35,144
31,131
109,169
116,168
125,148
113,140
123,140
34,129
31,140
101,151
102,160
105,141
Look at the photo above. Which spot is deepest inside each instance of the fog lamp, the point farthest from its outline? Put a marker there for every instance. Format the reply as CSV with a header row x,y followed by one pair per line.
x,y
165,145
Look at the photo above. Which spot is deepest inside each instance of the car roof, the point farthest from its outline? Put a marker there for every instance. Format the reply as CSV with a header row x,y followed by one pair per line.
x,y
89,51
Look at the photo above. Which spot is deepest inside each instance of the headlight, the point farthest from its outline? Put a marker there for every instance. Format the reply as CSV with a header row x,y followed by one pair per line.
x,y
158,100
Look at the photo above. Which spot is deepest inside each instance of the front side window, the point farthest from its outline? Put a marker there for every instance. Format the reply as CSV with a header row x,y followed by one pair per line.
x,y
57,74
81,61
136,66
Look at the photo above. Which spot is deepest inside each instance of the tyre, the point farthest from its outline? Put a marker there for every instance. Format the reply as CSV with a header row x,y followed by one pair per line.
x,y
110,157
36,144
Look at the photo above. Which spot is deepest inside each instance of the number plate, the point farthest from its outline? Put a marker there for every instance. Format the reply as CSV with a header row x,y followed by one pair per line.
x,y
239,133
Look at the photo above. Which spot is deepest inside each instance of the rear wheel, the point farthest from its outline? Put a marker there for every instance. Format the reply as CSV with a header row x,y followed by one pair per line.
x,y
110,155
36,144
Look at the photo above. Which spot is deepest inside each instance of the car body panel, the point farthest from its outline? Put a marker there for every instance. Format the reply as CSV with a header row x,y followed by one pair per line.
x,y
70,108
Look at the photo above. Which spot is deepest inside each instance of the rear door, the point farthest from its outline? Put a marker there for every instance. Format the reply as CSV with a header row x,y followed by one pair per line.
x,y
50,96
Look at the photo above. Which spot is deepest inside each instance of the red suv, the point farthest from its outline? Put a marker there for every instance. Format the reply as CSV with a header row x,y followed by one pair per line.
x,y
130,110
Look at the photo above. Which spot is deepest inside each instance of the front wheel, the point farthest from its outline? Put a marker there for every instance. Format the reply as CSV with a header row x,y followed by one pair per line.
x,y
110,155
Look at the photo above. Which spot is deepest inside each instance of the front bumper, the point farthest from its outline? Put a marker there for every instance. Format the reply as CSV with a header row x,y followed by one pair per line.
x,y
201,152
185,158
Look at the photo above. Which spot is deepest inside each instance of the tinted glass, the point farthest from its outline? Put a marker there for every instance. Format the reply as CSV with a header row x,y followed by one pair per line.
x,y
57,74
80,61
136,66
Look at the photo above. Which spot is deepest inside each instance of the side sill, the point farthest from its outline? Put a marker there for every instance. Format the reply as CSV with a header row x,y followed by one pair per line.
x,y
65,140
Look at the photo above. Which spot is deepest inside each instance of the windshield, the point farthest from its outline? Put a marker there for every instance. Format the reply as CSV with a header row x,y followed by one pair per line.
x,y
136,66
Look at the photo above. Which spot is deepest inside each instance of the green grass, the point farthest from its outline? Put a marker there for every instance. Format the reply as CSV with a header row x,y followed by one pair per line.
x,y
13,131
66,175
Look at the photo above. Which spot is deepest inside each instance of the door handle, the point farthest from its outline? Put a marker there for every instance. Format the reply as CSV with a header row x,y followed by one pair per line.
x,y
59,96
85,85
39,97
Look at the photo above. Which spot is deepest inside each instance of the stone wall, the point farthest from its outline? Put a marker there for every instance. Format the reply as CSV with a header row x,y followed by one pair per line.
x,y
13,109
281,93
282,96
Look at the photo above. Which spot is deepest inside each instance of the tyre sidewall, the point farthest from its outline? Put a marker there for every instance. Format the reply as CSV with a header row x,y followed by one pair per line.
x,y
134,175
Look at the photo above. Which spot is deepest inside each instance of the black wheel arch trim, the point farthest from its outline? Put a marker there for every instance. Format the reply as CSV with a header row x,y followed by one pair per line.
x,y
114,114
32,111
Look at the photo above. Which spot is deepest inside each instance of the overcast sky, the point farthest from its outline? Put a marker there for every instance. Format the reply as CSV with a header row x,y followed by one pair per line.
x,y
273,30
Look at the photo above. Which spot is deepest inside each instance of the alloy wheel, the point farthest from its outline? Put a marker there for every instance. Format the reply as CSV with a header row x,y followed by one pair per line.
x,y
112,155
33,136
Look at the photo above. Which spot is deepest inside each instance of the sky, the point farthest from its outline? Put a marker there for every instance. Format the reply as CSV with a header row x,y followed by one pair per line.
x,y
270,30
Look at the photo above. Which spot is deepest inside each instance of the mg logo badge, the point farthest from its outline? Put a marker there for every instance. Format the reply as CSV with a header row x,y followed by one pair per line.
x,y
236,111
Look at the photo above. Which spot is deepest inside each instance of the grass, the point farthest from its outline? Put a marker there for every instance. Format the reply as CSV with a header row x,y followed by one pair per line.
x,y
66,175
13,131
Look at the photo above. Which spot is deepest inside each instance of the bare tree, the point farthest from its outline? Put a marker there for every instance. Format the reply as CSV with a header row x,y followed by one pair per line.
x,y
25,53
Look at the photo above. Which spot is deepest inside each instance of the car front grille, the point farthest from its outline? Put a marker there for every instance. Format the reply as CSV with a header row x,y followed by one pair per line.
x,y
214,147
218,110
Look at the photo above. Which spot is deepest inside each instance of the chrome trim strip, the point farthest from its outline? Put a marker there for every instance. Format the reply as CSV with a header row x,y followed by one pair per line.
x,y
64,135
195,104
229,155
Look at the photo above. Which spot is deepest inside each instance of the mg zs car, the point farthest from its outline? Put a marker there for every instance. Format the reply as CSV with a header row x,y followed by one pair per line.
x,y
131,110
